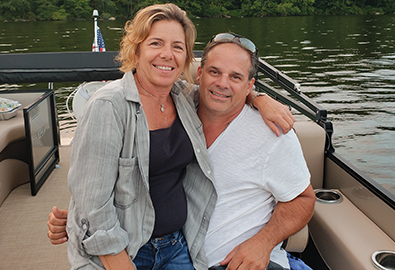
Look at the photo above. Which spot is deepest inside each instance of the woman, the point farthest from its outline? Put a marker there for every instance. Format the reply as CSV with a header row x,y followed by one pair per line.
x,y
139,171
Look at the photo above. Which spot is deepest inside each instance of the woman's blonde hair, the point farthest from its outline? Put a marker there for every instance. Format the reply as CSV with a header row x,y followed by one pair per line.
x,y
137,31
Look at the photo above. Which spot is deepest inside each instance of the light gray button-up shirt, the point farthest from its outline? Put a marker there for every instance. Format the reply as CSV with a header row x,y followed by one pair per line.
x,y
110,208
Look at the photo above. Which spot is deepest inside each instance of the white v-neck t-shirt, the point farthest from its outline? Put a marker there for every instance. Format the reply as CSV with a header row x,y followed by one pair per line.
x,y
255,170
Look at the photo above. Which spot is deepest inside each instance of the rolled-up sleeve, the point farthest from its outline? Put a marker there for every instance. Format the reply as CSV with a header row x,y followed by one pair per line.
x,y
93,223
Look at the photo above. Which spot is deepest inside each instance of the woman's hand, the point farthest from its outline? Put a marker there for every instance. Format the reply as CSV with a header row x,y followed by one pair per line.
x,y
276,115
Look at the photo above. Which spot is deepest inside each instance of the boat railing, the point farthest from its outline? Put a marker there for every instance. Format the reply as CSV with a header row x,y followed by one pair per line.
x,y
303,103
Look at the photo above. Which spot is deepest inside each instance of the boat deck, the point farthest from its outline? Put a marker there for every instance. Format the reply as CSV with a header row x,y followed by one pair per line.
x,y
23,229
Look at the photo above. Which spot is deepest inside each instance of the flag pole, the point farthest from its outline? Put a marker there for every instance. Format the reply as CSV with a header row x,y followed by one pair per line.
x,y
95,45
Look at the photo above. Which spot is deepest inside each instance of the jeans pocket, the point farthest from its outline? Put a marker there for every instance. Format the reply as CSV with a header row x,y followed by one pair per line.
x,y
179,240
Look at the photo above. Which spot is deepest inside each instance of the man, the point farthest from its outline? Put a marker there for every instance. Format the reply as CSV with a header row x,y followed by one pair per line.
x,y
264,192
252,167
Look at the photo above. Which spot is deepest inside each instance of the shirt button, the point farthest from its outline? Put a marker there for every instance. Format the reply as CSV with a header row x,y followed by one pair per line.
x,y
198,150
209,172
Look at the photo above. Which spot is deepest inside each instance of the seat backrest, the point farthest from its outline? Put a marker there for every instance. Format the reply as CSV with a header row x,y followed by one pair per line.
x,y
312,140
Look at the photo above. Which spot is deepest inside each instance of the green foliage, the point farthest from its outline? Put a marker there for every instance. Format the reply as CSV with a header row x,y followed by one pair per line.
x,y
15,9
105,6
287,8
77,9
386,5
341,7
45,9
306,7
60,15
125,9
252,8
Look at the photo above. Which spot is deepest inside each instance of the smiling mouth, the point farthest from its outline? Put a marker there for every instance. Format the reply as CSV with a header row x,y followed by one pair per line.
x,y
164,68
219,95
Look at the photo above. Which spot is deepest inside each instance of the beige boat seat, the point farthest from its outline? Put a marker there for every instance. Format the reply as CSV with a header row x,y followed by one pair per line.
x,y
312,140
14,169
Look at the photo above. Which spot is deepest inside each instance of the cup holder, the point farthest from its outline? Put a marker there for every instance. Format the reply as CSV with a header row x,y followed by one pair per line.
x,y
384,260
328,196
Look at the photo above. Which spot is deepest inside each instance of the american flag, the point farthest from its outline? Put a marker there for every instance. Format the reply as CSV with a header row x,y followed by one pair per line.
x,y
100,43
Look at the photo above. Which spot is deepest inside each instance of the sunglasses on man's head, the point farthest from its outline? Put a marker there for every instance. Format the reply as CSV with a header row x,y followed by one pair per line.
x,y
245,42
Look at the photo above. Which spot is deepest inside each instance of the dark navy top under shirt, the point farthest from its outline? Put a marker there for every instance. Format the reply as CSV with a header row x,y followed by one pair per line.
x,y
170,152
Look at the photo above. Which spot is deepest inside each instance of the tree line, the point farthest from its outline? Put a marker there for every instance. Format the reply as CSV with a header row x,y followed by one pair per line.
x,y
53,10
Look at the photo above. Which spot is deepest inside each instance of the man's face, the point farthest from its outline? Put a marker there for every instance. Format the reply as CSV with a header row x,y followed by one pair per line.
x,y
224,81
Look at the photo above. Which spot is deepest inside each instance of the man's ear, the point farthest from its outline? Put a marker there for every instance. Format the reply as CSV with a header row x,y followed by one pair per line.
x,y
198,74
250,85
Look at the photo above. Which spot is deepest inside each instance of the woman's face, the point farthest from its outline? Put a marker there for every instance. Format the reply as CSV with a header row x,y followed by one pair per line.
x,y
161,56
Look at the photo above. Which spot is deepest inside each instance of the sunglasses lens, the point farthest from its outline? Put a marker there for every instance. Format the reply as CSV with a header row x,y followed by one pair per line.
x,y
223,36
248,44
245,42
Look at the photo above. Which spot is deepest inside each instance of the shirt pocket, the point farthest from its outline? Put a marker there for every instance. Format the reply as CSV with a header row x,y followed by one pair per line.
x,y
128,184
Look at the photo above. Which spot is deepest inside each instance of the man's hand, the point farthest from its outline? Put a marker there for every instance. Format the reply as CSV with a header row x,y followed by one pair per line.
x,y
57,226
275,114
287,219
251,254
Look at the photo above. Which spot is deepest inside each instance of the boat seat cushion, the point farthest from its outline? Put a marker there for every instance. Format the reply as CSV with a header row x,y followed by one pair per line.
x,y
298,241
312,140
12,130
13,172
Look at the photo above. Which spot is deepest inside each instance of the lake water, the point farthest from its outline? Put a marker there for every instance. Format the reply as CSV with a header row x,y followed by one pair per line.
x,y
346,64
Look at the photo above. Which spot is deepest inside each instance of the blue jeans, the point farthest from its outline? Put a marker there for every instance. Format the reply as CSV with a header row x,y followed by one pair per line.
x,y
271,266
296,263
169,252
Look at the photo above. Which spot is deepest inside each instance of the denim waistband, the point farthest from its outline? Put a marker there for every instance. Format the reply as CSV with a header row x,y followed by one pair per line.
x,y
166,239
219,267
271,266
